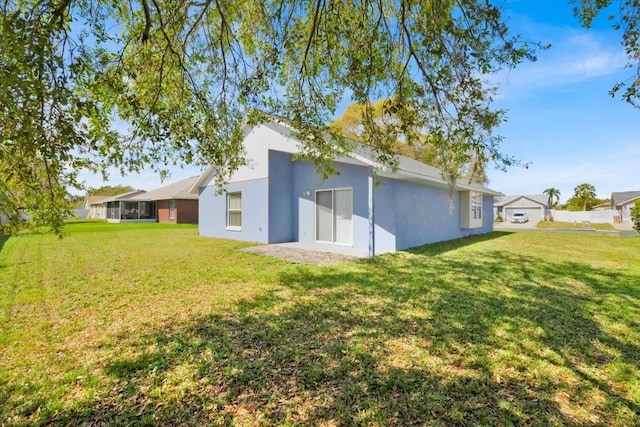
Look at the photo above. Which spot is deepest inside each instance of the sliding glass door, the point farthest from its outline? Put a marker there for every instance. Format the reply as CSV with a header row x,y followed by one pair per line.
x,y
334,216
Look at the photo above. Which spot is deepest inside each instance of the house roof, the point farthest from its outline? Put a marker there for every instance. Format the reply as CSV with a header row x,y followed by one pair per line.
x,y
123,196
410,168
177,190
541,199
622,197
602,206
407,168
94,200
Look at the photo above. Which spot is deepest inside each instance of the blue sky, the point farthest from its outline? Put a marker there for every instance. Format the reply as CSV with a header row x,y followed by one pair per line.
x,y
560,115
561,118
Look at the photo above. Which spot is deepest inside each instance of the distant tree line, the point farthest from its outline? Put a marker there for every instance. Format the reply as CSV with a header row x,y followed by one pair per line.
x,y
583,199
109,190
77,201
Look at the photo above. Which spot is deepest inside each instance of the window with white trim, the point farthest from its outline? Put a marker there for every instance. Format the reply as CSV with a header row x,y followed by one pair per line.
x,y
476,206
470,209
234,211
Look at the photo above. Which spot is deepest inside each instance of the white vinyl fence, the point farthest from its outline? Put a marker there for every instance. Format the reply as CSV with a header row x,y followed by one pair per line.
x,y
592,216
80,212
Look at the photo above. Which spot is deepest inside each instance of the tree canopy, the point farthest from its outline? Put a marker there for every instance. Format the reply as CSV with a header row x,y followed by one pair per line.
x,y
554,196
109,190
635,216
130,84
625,17
584,198
422,148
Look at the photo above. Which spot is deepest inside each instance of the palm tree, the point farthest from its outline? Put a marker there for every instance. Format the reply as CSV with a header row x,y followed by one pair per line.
x,y
585,192
553,193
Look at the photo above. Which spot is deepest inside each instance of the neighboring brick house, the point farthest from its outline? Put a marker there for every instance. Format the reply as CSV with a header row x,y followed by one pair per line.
x,y
174,204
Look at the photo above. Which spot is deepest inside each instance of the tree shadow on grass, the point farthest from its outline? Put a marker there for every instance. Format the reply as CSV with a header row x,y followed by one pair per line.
x,y
451,245
411,339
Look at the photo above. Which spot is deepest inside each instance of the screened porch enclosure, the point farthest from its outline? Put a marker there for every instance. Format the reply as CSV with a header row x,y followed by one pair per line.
x,y
136,211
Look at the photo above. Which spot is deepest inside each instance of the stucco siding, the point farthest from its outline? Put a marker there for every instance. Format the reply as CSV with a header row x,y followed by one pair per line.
x,y
255,220
280,198
307,180
625,209
423,215
487,216
257,144
384,215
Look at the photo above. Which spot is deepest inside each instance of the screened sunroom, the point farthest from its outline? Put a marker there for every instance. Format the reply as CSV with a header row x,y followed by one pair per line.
x,y
121,210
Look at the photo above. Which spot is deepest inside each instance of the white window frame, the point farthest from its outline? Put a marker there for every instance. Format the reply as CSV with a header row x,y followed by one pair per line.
x,y
471,215
476,206
229,210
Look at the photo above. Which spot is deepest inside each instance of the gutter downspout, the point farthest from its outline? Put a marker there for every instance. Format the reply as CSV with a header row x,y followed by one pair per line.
x,y
372,224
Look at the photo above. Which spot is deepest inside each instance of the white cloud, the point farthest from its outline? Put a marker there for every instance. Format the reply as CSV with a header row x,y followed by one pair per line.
x,y
575,56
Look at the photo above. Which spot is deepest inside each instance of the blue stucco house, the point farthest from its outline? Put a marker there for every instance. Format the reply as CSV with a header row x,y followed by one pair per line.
x,y
370,207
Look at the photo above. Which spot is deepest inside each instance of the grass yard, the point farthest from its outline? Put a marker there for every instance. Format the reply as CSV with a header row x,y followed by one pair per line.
x,y
560,224
151,324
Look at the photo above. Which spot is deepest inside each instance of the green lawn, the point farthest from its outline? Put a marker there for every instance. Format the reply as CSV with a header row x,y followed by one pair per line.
x,y
151,324
579,225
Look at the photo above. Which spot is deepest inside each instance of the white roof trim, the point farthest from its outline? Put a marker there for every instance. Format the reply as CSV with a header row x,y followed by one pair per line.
x,y
538,203
629,200
205,176
367,162
441,182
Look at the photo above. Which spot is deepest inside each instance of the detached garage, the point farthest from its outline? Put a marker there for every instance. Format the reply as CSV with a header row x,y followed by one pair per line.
x,y
534,206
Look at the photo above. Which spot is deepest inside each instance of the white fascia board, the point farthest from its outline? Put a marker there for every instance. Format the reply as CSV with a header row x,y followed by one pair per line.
x,y
483,190
367,162
204,178
438,181
427,178
362,160
538,204
633,199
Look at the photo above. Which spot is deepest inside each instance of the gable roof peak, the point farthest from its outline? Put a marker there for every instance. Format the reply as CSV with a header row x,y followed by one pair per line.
x,y
620,197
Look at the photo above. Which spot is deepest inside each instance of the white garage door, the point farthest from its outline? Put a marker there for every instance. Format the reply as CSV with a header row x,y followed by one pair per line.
x,y
535,214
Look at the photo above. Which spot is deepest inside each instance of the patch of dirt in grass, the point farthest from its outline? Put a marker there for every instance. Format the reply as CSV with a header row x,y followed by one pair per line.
x,y
300,256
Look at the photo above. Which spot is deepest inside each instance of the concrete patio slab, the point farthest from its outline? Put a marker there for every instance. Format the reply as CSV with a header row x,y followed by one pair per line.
x,y
309,253
325,247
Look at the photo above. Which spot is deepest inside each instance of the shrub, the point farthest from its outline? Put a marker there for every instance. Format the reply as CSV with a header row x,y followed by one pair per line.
x,y
635,216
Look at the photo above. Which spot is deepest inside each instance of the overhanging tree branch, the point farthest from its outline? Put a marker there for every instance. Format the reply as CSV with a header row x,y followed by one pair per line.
x,y
184,74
